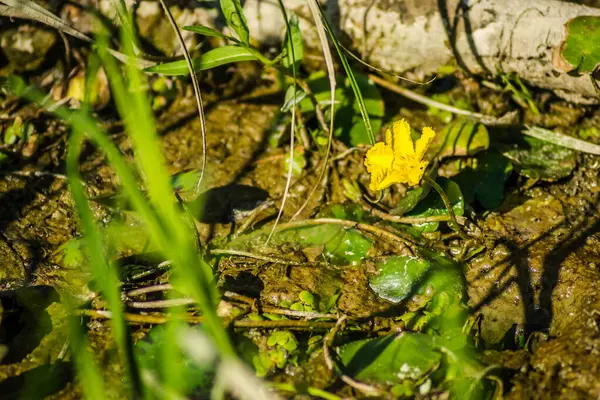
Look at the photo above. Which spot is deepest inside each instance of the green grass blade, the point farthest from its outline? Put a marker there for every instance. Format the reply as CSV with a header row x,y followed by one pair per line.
x,y
104,273
206,31
89,374
211,59
234,16
563,140
321,31
38,13
291,44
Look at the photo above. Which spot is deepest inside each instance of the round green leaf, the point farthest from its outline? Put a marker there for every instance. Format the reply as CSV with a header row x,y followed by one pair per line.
x,y
581,48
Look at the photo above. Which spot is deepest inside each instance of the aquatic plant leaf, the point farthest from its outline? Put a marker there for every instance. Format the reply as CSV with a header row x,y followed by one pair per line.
x,y
390,359
461,137
352,212
206,31
401,277
410,200
433,205
349,126
537,159
485,182
295,44
234,16
211,59
341,245
580,51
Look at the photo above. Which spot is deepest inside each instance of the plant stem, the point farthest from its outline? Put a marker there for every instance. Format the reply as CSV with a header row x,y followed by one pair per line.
x,y
446,201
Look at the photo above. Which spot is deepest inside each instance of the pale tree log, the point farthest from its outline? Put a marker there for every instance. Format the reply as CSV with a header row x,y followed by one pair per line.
x,y
414,38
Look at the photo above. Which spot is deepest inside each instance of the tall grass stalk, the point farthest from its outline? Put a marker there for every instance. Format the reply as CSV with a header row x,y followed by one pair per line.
x,y
293,124
322,33
160,214
350,74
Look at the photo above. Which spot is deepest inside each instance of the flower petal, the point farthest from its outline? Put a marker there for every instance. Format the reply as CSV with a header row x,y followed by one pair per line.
x,y
395,176
398,138
378,161
379,156
423,142
415,174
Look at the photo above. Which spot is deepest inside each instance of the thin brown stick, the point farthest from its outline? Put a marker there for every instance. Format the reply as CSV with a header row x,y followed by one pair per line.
x,y
197,93
233,296
284,324
150,289
240,253
300,325
252,217
403,220
485,119
161,303
375,230
362,387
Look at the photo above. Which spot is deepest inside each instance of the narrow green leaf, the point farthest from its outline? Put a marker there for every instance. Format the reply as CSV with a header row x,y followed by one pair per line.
x,y
234,15
211,59
563,140
206,31
360,101
294,48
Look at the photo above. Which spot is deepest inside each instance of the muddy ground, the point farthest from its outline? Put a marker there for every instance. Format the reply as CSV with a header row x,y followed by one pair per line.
x,y
536,280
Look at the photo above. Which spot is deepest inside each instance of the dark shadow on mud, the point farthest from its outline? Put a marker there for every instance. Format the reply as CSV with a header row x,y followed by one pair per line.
x,y
557,256
12,203
244,283
37,383
538,317
219,205
451,20
24,320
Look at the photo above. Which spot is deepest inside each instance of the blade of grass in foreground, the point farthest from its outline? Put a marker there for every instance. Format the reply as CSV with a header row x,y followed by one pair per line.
x,y
175,240
103,272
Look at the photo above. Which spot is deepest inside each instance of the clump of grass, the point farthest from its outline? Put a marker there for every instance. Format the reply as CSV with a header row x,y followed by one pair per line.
x,y
156,208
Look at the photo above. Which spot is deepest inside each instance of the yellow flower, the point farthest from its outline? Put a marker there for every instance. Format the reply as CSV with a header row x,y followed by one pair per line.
x,y
398,160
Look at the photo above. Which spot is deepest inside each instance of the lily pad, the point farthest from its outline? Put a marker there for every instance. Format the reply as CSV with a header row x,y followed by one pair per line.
x,y
580,51
460,138
401,277
433,205
390,359
485,182
537,159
